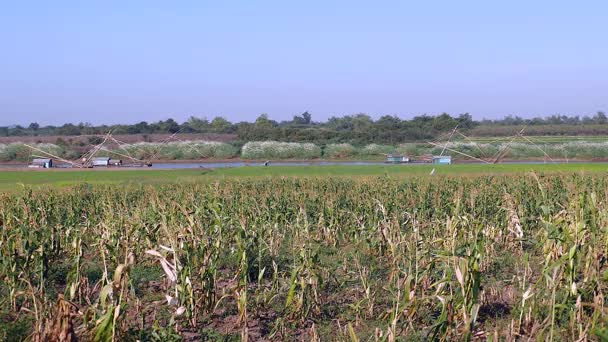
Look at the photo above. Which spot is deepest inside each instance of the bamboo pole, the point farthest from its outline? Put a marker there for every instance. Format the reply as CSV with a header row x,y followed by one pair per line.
x,y
164,142
474,143
122,155
52,155
538,147
502,152
89,156
449,138
462,153
124,149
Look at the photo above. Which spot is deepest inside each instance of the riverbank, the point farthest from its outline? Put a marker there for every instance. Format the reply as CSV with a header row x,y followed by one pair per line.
x,y
238,162
253,151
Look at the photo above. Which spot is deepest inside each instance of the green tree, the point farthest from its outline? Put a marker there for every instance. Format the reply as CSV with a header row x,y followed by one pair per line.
x,y
303,119
444,122
264,122
200,125
220,125
600,118
34,126
170,126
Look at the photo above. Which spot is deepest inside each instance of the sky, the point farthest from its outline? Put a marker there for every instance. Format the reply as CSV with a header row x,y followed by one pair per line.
x,y
129,61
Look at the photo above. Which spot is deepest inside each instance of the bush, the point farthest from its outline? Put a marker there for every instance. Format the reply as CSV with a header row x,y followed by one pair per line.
x,y
95,140
20,152
339,151
181,150
525,150
279,150
375,149
412,149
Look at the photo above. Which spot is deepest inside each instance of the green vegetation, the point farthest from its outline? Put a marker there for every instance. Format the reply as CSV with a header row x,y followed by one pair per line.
x,y
385,258
20,152
349,137
179,150
405,170
535,148
547,139
359,129
280,150
339,151
16,180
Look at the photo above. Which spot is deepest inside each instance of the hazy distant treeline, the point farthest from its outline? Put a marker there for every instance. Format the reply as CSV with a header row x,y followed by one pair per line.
x,y
357,129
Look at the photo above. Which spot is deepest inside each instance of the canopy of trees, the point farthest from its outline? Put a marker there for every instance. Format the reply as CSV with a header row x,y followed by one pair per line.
x,y
356,129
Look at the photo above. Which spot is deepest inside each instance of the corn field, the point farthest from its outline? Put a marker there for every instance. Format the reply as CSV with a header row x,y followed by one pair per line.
x,y
356,259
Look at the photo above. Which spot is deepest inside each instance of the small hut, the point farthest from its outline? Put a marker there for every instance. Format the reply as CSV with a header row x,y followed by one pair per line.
x,y
101,161
442,160
397,159
44,163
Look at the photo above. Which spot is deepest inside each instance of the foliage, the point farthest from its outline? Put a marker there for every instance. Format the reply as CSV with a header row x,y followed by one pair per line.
x,y
181,150
338,151
279,150
20,152
359,129
376,149
538,148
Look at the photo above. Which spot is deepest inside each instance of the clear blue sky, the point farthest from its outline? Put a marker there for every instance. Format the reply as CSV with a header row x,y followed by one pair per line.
x,y
127,61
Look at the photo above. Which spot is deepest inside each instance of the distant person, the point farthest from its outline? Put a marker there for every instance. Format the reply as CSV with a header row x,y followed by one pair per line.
x,y
266,163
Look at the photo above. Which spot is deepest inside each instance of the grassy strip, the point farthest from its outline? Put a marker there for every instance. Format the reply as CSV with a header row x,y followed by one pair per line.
x,y
12,180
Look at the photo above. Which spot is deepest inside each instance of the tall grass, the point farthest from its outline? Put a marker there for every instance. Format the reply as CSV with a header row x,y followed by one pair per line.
x,y
338,151
279,150
377,150
195,150
345,151
523,150
20,152
181,150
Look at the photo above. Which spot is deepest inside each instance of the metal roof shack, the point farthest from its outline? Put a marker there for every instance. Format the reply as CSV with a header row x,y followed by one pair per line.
x,y
397,159
44,163
101,161
443,160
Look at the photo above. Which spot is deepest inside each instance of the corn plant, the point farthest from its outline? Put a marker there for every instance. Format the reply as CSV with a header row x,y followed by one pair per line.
x,y
363,258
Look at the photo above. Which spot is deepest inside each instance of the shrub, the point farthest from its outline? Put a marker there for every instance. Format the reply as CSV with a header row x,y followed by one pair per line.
x,y
181,150
525,150
375,149
339,151
20,152
412,149
279,150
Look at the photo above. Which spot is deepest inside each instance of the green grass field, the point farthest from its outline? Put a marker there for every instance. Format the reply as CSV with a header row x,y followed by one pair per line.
x,y
15,180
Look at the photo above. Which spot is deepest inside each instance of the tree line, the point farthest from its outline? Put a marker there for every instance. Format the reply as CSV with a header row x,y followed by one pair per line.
x,y
356,129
